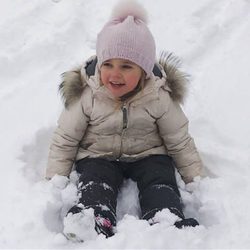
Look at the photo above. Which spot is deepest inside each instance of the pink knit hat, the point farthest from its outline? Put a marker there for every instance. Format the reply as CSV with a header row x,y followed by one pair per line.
x,y
127,36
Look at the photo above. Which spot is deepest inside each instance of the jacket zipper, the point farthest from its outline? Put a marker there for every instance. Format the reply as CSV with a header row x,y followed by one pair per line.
x,y
125,116
124,126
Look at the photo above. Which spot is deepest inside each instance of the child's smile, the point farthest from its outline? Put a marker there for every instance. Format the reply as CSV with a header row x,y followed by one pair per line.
x,y
116,84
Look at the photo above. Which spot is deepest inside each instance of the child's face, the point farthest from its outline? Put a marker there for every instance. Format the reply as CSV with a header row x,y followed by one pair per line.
x,y
120,76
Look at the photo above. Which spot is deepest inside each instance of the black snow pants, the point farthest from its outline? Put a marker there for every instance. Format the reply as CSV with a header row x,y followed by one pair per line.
x,y
101,179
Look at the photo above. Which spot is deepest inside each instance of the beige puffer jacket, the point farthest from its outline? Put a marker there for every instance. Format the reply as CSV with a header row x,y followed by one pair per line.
x,y
94,124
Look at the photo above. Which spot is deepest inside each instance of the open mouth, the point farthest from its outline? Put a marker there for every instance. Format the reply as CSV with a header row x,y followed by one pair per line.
x,y
116,84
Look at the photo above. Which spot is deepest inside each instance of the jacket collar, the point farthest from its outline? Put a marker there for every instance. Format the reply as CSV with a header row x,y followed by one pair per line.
x,y
166,74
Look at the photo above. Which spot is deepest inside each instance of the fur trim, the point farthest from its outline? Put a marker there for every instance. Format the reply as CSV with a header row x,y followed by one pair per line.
x,y
177,80
73,83
71,87
126,8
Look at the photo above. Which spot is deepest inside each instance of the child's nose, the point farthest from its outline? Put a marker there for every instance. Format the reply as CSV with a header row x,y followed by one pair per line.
x,y
116,72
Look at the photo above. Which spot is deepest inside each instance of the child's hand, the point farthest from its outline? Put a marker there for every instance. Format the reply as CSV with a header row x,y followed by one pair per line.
x,y
191,186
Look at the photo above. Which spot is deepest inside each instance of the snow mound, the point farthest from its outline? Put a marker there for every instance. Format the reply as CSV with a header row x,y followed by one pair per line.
x,y
80,227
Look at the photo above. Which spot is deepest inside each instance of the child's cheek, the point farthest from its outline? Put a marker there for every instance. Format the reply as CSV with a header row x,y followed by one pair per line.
x,y
103,78
132,80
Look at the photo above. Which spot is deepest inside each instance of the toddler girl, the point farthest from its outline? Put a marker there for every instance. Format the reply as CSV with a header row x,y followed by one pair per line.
x,y
122,119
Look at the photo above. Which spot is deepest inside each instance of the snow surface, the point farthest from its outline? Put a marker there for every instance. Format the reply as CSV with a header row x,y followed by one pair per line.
x,y
40,39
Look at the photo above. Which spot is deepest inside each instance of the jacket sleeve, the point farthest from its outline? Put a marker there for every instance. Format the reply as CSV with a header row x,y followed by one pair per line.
x,y
173,128
71,127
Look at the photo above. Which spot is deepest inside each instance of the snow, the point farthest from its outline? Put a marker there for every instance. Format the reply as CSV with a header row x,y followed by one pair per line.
x,y
81,224
41,39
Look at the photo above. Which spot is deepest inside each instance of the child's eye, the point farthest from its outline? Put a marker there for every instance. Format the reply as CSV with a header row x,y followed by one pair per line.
x,y
107,64
126,66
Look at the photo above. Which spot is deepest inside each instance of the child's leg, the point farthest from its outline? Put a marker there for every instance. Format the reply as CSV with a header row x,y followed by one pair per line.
x,y
98,186
155,177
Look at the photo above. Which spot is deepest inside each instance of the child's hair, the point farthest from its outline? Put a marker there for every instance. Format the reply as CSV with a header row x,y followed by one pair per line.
x,y
126,36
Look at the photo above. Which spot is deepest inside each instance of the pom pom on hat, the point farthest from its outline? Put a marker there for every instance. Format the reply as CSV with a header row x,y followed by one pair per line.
x,y
129,8
126,36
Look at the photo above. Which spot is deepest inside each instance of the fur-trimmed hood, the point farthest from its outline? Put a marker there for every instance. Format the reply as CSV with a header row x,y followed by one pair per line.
x,y
168,66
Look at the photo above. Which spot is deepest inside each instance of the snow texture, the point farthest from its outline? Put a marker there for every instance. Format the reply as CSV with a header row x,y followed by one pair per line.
x,y
81,225
41,39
